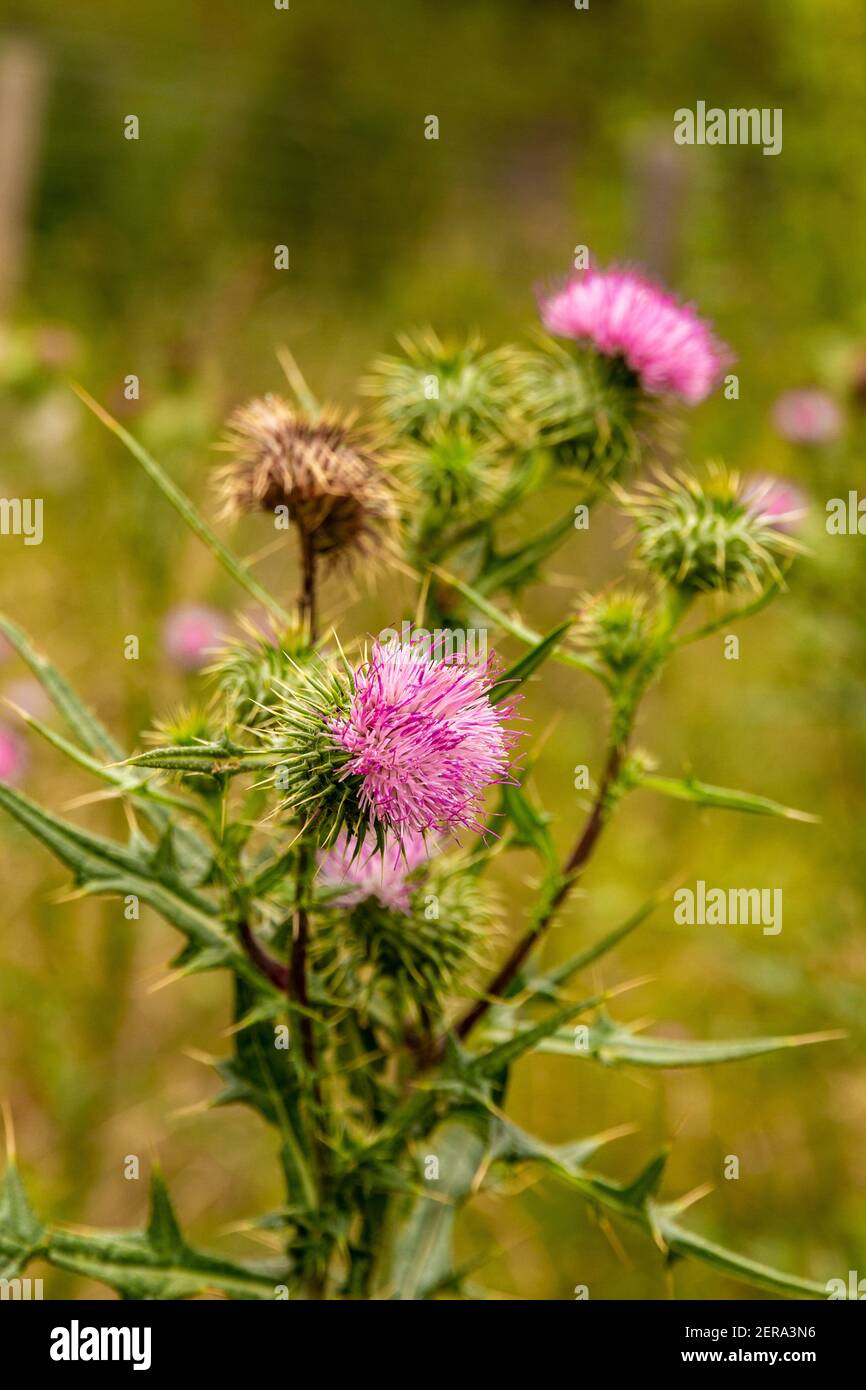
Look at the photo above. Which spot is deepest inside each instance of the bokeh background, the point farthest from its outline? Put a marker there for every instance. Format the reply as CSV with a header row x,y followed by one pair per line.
x,y
155,257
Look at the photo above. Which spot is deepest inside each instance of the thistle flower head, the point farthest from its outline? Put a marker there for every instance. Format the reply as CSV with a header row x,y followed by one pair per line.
x,y
404,742
439,386
616,627
192,631
355,873
807,417
706,535
663,342
324,471
778,502
13,756
414,926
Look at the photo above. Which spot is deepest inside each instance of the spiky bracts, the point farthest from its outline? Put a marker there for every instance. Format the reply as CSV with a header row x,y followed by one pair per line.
x,y
705,535
623,315
587,410
616,627
441,386
325,471
403,742
250,673
415,926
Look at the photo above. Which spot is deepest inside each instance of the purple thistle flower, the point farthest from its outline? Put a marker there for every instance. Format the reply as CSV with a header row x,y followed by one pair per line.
x,y
424,738
13,756
622,314
776,501
190,634
807,417
371,874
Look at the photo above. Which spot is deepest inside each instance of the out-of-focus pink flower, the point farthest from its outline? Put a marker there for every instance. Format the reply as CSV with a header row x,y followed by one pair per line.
x,y
29,696
624,315
775,500
13,756
370,874
191,632
424,738
807,417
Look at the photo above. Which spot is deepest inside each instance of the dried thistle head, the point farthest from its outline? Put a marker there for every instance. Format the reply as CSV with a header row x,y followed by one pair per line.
x,y
707,534
325,471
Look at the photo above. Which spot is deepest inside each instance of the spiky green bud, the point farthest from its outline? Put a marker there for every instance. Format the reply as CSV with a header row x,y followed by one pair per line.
x,y
705,535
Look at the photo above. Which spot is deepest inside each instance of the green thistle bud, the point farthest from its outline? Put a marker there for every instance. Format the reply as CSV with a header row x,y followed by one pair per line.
x,y
583,407
438,386
616,627
706,535
414,957
248,673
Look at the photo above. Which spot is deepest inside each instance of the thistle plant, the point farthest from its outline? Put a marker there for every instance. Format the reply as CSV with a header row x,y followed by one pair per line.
x,y
325,826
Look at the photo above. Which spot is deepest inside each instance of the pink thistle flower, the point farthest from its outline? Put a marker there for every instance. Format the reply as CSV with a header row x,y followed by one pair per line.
x,y
13,756
624,315
807,417
370,874
775,501
190,634
424,738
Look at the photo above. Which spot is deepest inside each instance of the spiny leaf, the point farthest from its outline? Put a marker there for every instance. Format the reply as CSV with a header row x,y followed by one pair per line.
x,y
612,1044
181,503
689,789
21,1235
92,733
213,759
422,1257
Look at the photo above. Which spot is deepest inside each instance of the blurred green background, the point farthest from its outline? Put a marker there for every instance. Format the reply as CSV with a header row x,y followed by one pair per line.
x,y
154,257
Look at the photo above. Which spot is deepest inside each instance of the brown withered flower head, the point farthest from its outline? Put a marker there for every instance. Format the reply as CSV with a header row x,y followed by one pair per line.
x,y
325,471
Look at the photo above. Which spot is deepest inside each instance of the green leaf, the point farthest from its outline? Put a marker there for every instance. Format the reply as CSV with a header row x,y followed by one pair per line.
x,y
422,1258
157,1263
612,1044
21,1235
488,1064
635,1202
184,507
264,1077
520,566
515,627
550,983
524,668
105,867
92,733
212,759
689,789
530,824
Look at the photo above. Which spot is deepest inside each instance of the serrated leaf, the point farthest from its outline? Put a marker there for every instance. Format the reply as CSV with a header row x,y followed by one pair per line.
x,y
21,1235
157,1263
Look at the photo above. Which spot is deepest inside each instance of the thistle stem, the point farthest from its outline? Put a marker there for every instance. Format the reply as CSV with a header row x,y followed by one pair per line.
x,y
298,961
272,969
307,603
